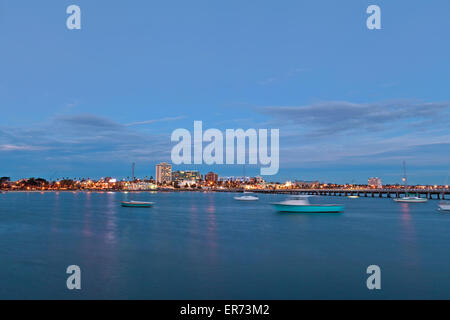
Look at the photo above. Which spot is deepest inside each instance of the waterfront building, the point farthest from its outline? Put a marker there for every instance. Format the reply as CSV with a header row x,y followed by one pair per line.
x,y
163,172
306,184
188,175
187,183
375,183
259,180
140,186
211,177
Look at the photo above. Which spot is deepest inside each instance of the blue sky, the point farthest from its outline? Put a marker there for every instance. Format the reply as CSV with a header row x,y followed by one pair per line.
x,y
349,102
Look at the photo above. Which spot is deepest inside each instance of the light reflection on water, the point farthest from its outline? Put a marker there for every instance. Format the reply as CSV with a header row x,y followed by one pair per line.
x,y
212,245
410,241
206,245
87,213
111,213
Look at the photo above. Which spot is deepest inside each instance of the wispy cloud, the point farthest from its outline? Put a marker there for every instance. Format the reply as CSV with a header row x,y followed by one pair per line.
x,y
155,121
319,135
12,147
334,117
83,138
335,132
88,120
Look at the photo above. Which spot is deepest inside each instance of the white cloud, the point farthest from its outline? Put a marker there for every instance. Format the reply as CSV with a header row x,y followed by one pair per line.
x,y
155,121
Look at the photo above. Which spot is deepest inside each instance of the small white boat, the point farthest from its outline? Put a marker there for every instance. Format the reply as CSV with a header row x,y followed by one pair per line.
x,y
444,206
353,197
137,204
247,197
410,199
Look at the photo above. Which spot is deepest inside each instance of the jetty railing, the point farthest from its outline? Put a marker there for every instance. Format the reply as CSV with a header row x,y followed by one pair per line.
x,y
438,194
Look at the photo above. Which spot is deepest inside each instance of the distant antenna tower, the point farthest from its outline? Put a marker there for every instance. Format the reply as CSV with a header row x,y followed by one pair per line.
x,y
132,170
405,182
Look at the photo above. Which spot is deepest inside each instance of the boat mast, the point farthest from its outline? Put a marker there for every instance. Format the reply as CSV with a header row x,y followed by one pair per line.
x,y
443,190
132,177
405,181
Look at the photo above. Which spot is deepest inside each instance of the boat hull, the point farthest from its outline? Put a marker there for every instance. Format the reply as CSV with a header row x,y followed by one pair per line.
x,y
444,207
411,200
137,204
246,198
309,208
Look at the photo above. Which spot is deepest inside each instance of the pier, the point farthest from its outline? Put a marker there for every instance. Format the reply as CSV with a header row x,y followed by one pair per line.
x,y
436,194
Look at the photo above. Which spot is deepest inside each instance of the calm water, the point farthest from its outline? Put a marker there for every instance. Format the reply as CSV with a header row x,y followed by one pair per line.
x,y
208,246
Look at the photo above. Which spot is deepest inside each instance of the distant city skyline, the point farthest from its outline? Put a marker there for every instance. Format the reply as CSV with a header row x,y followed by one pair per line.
x,y
350,103
167,170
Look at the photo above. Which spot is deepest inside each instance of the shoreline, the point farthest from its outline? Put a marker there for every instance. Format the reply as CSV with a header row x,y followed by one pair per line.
x,y
361,193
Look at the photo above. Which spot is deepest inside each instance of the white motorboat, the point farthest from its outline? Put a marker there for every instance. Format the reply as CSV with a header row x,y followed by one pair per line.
x,y
301,204
247,197
444,206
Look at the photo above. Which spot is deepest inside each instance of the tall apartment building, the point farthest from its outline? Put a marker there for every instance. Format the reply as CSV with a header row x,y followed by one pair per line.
x,y
211,177
163,172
